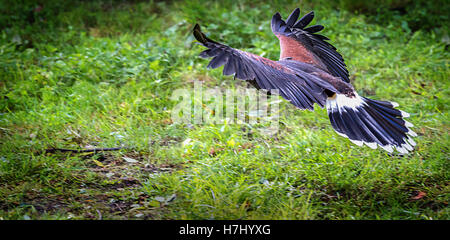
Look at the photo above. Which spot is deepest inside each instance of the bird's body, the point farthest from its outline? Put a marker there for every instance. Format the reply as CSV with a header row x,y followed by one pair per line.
x,y
309,71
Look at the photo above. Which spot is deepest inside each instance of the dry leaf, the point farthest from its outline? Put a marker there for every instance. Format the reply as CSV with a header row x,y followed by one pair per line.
x,y
98,163
419,195
130,160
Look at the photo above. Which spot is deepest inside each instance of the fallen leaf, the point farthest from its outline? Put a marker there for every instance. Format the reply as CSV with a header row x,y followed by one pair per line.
x,y
98,163
419,195
130,160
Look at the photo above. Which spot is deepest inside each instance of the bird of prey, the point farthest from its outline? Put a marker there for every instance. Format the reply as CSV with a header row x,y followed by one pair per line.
x,y
309,71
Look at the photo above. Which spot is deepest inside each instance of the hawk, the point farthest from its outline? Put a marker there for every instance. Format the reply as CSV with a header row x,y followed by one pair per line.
x,y
309,71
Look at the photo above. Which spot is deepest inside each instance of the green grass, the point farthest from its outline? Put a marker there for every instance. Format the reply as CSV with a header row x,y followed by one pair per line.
x,y
102,73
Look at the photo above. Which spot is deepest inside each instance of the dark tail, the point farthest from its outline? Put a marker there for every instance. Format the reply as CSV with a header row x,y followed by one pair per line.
x,y
371,122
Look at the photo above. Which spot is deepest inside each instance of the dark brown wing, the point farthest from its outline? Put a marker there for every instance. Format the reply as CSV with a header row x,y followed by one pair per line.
x,y
300,88
305,45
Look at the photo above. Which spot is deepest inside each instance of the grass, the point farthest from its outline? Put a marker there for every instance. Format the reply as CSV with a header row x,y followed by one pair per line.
x,y
101,74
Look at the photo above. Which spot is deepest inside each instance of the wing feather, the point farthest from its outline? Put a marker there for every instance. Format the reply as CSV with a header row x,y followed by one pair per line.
x,y
301,88
303,44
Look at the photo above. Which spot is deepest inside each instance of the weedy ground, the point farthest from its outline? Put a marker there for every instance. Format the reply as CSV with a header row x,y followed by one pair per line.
x,y
101,74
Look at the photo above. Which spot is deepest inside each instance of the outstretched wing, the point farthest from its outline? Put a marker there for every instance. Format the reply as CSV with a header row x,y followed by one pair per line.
x,y
299,87
303,44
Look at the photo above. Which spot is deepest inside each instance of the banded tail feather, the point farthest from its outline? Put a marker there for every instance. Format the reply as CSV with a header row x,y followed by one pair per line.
x,y
371,122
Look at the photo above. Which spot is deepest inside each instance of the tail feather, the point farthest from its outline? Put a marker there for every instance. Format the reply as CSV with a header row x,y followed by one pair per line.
x,y
371,122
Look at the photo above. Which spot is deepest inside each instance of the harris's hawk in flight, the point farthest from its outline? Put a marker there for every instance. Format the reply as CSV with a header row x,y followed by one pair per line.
x,y
309,71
